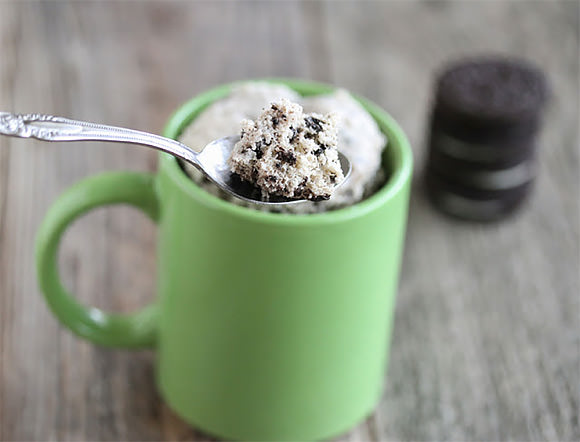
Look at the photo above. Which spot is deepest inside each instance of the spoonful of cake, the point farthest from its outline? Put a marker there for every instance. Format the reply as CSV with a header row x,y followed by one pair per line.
x,y
263,166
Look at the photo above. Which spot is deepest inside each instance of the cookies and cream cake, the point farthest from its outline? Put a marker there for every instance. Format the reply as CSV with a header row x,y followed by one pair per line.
x,y
359,138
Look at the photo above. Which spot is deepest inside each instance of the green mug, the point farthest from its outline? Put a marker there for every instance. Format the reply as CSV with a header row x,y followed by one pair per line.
x,y
267,326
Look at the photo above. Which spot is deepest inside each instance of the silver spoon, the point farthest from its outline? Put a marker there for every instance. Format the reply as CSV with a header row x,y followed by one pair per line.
x,y
212,160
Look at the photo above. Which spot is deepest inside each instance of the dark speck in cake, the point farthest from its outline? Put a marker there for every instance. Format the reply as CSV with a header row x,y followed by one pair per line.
x,y
258,150
286,156
313,123
301,191
294,134
321,198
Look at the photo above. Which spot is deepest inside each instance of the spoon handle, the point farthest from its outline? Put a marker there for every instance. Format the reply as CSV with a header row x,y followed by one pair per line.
x,y
51,128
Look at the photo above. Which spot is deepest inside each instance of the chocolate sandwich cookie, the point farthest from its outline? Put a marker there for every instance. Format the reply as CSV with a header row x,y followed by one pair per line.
x,y
506,135
503,153
484,123
450,151
491,91
475,131
474,204
498,175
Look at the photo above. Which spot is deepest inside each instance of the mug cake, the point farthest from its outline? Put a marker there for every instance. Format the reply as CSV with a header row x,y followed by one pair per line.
x,y
358,137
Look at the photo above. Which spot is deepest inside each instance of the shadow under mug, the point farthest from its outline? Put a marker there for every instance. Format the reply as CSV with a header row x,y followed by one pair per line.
x,y
267,326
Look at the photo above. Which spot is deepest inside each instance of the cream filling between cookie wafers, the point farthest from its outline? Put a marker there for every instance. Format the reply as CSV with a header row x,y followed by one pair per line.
x,y
462,150
503,179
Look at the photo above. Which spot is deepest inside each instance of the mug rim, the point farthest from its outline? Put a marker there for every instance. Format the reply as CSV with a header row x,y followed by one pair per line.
x,y
397,140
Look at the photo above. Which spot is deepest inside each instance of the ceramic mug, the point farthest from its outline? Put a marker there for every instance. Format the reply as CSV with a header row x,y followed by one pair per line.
x,y
267,326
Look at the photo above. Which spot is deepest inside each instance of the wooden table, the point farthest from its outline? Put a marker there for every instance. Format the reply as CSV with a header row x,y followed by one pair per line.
x,y
487,337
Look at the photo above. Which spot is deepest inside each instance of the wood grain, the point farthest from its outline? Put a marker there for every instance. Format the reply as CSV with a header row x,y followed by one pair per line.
x,y
487,333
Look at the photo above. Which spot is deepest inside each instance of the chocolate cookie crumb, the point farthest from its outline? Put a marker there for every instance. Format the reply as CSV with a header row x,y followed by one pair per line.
x,y
286,157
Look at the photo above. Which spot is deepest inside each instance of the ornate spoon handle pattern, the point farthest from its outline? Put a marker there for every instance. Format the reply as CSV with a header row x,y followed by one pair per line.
x,y
51,128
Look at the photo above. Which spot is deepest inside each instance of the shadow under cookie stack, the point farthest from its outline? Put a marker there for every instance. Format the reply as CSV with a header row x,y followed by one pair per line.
x,y
483,135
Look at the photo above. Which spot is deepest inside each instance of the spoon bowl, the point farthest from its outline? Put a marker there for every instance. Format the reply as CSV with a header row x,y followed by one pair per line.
x,y
214,160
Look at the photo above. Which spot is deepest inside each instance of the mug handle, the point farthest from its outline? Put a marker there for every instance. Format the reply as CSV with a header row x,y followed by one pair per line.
x,y
134,330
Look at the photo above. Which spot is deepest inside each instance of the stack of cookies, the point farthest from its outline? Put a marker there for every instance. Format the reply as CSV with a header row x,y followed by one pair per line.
x,y
484,124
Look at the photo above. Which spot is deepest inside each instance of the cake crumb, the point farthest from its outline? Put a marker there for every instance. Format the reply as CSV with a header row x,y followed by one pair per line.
x,y
288,153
